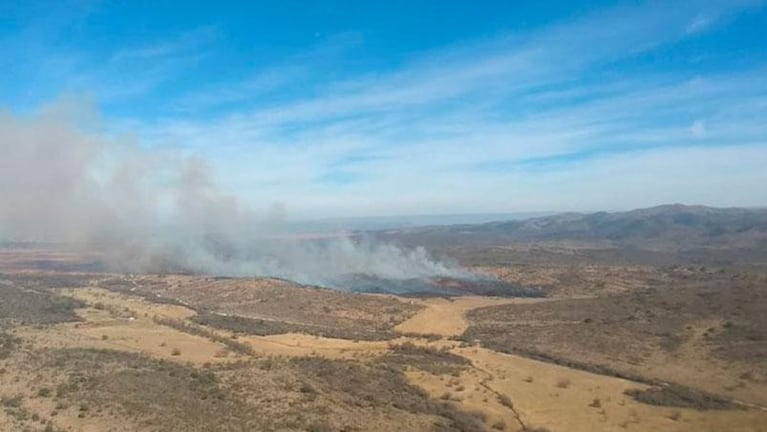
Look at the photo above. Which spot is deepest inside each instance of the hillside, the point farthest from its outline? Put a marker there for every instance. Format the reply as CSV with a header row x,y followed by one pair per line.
x,y
668,234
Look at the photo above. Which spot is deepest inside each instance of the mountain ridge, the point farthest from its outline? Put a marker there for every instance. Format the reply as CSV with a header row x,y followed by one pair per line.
x,y
674,226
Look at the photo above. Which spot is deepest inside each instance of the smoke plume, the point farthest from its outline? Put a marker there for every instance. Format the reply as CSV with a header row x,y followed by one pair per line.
x,y
62,180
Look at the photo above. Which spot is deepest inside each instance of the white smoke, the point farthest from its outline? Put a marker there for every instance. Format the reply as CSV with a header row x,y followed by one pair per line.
x,y
63,181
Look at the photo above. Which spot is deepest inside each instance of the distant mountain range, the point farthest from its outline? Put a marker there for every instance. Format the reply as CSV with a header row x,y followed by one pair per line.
x,y
369,223
666,227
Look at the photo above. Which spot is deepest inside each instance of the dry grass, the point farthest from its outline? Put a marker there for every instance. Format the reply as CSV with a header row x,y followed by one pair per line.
x,y
142,389
379,386
318,394
186,327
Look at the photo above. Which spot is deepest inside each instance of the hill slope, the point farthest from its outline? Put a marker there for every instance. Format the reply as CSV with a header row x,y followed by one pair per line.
x,y
663,227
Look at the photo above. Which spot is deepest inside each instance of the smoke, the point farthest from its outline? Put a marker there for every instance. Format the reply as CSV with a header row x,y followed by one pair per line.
x,y
63,180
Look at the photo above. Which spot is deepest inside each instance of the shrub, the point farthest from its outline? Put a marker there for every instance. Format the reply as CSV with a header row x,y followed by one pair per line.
x,y
429,359
505,401
680,397
8,344
322,426
12,401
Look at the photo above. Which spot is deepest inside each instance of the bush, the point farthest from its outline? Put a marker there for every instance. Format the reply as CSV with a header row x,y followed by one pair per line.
x,y
322,426
680,397
8,344
12,401
505,401
429,359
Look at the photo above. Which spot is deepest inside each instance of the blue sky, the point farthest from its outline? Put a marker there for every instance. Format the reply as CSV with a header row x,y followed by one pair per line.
x,y
416,107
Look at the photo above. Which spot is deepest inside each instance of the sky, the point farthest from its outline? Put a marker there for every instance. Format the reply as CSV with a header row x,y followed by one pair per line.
x,y
350,108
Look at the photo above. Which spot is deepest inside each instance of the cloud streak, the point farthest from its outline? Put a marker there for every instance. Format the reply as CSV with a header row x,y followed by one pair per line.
x,y
442,131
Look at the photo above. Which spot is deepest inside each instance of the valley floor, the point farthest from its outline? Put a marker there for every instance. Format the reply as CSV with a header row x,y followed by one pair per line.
x,y
137,355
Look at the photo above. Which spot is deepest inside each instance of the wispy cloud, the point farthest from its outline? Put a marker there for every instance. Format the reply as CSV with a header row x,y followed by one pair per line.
x,y
182,43
698,24
513,122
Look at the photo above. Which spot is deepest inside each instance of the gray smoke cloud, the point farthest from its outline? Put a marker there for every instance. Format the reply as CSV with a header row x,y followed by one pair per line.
x,y
62,180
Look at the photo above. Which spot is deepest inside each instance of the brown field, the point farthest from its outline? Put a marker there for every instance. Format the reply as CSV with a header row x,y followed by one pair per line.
x,y
612,347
